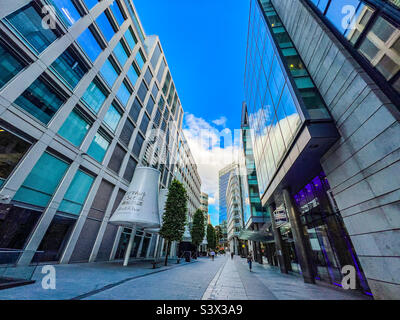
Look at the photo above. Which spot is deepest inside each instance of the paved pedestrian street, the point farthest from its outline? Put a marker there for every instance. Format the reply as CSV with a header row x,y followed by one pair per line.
x,y
221,279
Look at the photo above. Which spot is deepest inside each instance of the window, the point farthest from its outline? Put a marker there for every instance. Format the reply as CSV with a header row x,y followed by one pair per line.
x,y
155,57
150,105
40,100
67,11
142,92
127,132
130,169
105,26
135,110
76,194
89,45
121,53
12,149
9,65
42,181
148,76
94,96
123,94
155,90
109,72
90,3
135,19
117,158
137,147
112,117
28,22
166,84
117,13
144,124
70,68
140,59
130,38
133,74
161,71
74,128
98,147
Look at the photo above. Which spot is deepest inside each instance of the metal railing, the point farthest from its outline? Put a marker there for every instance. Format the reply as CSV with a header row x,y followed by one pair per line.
x,y
9,267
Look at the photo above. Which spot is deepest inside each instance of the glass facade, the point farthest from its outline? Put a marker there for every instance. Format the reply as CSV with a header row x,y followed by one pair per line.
x,y
109,72
89,44
66,11
9,65
98,147
40,101
105,26
94,96
275,113
372,31
42,181
12,149
121,53
74,129
112,117
28,23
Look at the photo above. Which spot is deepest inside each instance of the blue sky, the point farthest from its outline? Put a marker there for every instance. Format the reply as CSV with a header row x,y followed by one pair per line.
x,y
205,46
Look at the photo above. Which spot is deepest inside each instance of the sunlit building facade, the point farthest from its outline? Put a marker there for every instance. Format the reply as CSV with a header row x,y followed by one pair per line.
x,y
83,90
223,178
321,87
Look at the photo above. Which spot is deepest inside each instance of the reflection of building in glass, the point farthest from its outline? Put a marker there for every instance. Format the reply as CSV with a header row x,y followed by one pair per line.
x,y
324,125
223,177
81,100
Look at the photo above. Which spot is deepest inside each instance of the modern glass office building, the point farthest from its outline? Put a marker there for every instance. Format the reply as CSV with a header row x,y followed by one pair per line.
x,y
322,99
82,91
223,178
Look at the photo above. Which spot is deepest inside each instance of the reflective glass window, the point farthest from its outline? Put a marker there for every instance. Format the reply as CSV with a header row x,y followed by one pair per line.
x,y
142,92
74,129
144,124
12,149
340,13
28,22
156,56
161,70
120,53
40,100
155,90
112,117
135,110
42,181
130,169
89,44
130,38
66,10
90,3
116,158
94,96
137,147
109,72
133,74
123,94
9,65
148,76
105,26
70,67
117,13
140,59
98,147
76,194
150,105
127,132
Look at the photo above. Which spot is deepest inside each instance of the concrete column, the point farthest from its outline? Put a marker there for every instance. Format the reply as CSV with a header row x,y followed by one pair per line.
x,y
140,246
156,251
278,242
149,247
130,244
300,240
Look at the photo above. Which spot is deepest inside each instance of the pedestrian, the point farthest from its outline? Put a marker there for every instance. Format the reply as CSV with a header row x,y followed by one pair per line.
x,y
212,254
232,254
250,260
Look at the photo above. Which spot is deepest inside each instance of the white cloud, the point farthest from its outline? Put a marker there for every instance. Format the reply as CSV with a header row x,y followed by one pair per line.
x,y
221,121
204,140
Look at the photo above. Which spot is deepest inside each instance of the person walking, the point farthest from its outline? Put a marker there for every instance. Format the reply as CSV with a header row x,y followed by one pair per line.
x,y
212,255
232,254
250,260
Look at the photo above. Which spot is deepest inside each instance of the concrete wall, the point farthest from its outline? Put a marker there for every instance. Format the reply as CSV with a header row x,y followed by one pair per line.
x,y
363,167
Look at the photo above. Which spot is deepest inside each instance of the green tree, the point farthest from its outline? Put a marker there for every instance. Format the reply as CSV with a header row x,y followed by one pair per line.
x,y
174,217
197,231
218,234
211,237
